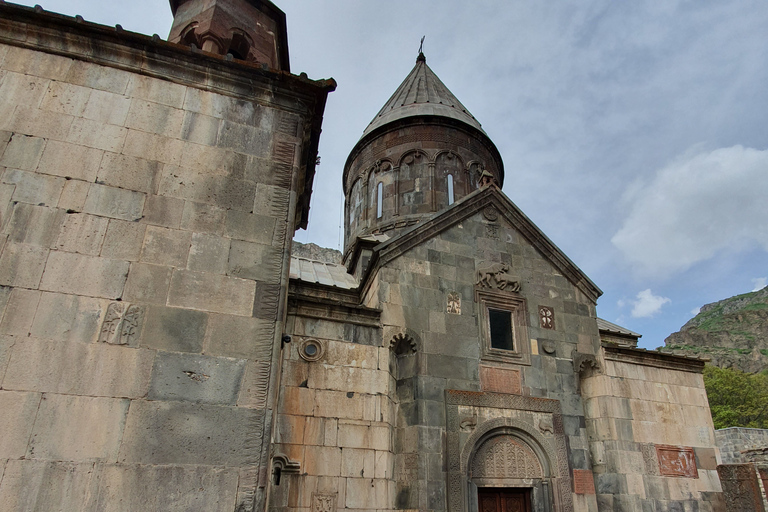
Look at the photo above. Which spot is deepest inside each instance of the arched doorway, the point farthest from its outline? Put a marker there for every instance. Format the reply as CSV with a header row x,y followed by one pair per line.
x,y
509,472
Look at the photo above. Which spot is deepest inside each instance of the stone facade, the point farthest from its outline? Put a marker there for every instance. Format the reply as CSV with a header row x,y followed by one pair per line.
x,y
160,349
149,197
739,445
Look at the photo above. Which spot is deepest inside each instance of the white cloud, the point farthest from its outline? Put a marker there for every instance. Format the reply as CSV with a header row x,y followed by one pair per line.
x,y
760,283
695,311
695,207
647,304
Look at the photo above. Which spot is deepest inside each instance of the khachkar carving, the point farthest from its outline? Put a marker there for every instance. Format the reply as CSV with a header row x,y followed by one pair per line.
x,y
741,488
454,303
494,275
323,502
122,324
546,317
505,457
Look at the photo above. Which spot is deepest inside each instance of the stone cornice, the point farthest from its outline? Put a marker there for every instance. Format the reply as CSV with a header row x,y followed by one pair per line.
x,y
652,358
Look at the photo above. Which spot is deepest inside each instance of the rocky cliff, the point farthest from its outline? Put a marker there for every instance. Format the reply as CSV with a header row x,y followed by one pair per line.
x,y
733,332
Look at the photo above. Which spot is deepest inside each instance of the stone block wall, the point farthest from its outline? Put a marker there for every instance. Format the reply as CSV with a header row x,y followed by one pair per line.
x,y
335,418
146,222
733,441
650,433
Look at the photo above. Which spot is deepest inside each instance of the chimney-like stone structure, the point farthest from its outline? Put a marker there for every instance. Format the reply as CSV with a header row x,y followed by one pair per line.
x,y
249,30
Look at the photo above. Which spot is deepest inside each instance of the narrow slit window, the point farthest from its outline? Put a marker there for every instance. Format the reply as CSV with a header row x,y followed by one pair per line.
x,y
450,189
501,329
379,200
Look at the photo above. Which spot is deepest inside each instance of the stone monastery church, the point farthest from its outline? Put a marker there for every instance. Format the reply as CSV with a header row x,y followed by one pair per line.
x,y
161,349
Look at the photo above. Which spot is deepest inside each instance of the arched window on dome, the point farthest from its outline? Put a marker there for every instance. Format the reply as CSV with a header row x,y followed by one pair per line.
x,y
450,189
379,200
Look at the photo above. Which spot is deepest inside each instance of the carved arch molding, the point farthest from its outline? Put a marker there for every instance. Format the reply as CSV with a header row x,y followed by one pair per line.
x,y
507,441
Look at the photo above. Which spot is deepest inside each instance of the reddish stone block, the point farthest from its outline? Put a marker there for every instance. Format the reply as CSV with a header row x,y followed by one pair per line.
x,y
500,380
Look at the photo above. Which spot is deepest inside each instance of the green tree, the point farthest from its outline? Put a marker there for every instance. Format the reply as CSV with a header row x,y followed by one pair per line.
x,y
737,399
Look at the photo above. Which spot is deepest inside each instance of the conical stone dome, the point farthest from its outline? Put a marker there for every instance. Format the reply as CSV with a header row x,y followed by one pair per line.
x,y
422,93
421,153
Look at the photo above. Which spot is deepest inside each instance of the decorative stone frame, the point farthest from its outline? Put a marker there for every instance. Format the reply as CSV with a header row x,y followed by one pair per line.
x,y
516,305
554,490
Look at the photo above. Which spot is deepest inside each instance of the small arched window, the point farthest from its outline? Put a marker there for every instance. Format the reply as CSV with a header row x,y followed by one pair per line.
x,y
240,46
450,189
379,200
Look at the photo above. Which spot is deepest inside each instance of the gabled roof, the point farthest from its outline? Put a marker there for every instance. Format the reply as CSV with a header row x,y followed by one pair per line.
x,y
605,325
490,196
329,274
422,93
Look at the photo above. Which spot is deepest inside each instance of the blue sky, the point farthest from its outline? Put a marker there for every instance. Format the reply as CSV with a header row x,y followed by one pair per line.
x,y
633,133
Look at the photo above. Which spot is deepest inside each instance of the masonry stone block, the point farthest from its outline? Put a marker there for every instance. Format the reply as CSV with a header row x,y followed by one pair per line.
x,y
299,401
34,188
65,98
92,434
147,283
32,485
82,233
24,89
68,317
210,292
153,147
244,139
163,211
255,261
154,118
358,463
73,195
23,152
114,202
174,329
107,107
364,493
167,488
200,129
222,191
19,411
348,379
156,91
322,460
240,337
84,275
22,265
196,378
208,253
250,227
43,65
123,240
205,218
76,368
19,312
164,246
160,432
97,135
41,123
98,77
129,172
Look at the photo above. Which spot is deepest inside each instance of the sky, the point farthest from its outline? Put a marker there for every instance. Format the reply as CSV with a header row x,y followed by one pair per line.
x,y
633,134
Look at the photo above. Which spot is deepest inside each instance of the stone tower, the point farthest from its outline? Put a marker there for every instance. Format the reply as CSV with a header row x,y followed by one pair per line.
x,y
422,152
249,30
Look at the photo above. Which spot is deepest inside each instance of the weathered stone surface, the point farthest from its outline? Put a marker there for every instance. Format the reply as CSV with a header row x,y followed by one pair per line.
x,y
22,265
203,217
196,378
70,161
92,434
40,123
84,275
73,196
97,135
200,129
254,391
156,90
23,152
239,336
114,202
174,329
107,107
147,283
19,312
19,411
82,233
250,227
254,261
209,292
357,463
68,317
35,225
76,368
65,98
167,488
182,433
33,188
31,485
163,211
129,173
208,253
163,246
123,240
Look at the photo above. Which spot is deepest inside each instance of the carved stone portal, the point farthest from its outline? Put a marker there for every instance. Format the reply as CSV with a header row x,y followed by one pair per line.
x,y
506,457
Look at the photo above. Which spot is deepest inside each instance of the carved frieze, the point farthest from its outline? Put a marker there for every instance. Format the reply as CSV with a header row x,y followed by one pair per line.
x,y
676,461
494,275
454,303
505,457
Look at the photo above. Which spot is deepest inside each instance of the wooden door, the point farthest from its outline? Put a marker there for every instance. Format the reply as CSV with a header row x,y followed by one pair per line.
x,y
504,500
